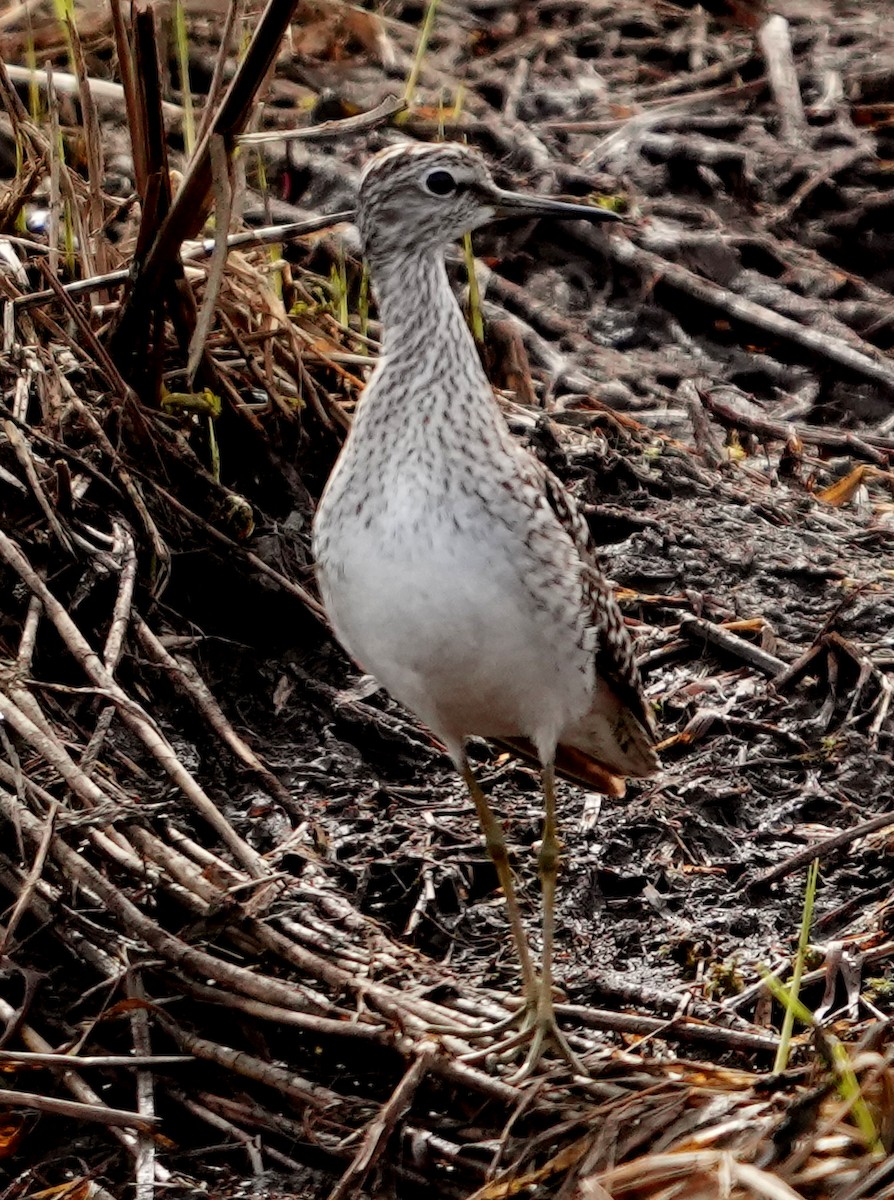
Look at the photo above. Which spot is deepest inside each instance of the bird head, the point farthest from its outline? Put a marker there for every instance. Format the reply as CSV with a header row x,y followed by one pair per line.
x,y
425,196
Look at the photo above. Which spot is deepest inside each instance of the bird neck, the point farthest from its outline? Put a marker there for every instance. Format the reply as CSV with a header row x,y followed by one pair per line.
x,y
428,398
422,323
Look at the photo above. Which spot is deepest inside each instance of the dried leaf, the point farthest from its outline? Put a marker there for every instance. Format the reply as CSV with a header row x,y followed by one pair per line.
x,y
74,1189
12,1130
843,490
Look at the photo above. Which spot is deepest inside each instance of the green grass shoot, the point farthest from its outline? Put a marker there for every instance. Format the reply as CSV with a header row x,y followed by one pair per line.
x,y
788,1023
34,110
338,289
69,239
846,1081
21,221
35,106
63,201
181,41
200,404
421,48
363,302
274,251
244,39
65,15
213,450
476,316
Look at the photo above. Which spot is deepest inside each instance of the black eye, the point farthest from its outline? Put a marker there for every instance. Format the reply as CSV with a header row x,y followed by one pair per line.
x,y
440,183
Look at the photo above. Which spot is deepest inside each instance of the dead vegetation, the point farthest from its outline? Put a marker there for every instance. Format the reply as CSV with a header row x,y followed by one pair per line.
x,y
241,886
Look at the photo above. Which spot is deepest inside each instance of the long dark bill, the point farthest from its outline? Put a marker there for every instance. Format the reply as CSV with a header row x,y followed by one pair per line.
x,y
515,204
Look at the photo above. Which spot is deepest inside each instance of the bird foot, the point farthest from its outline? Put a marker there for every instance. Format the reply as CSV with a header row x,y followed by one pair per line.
x,y
475,1035
545,1034
538,1031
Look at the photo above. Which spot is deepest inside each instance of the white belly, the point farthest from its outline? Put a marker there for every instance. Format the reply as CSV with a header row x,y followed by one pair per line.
x,y
440,613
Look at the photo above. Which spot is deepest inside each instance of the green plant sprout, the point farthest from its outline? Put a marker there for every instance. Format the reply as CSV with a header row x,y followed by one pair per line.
x,y
846,1081
181,42
205,403
363,302
65,15
476,316
788,1023
421,48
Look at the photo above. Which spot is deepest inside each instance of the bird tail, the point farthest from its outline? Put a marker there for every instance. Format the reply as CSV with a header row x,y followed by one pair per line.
x,y
574,765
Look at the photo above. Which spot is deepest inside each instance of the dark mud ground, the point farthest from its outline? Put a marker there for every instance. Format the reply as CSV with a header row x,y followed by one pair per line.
x,y
654,897
701,438
723,525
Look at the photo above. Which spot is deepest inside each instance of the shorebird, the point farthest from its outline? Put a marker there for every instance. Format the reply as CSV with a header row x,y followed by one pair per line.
x,y
454,567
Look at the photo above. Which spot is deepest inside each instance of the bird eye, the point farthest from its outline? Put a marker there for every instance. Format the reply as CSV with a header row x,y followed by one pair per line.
x,y
440,183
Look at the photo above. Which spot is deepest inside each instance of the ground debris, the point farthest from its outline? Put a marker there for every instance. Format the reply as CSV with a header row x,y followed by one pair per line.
x,y
246,902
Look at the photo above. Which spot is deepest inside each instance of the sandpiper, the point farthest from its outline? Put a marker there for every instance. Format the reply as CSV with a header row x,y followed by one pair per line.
x,y
454,567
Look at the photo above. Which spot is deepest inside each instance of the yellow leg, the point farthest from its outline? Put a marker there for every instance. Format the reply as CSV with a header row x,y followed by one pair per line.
x,y
537,1029
548,866
496,848
545,1030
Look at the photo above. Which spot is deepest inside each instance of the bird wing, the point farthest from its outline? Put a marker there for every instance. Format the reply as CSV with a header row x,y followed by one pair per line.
x,y
572,764
615,660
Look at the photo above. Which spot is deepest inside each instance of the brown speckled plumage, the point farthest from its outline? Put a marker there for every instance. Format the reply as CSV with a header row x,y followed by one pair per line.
x,y
429,442
454,567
